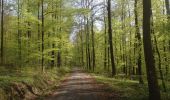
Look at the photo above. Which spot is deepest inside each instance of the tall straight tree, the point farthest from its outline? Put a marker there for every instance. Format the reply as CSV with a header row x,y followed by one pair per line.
x,y
168,14
53,44
105,42
19,36
154,92
168,17
59,62
93,43
2,32
38,17
106,47
167,8
42,26
138,36
110,38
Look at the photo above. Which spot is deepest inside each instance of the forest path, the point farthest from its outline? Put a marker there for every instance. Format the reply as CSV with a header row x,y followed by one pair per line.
x,y
82,86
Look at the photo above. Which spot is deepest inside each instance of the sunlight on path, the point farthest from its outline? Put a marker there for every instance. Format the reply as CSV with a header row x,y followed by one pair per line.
x,y
81,86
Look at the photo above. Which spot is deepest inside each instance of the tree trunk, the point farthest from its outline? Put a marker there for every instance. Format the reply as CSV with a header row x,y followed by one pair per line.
x,y
154,92
19,37
160,65
88,44
93,45
139,44
168,16
159,57
110,38
82,47
2,32
167,8
42,26
53,44
59,61
105,44
28,33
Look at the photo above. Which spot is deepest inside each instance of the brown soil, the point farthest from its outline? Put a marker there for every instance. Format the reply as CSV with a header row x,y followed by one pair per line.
x,y
82,86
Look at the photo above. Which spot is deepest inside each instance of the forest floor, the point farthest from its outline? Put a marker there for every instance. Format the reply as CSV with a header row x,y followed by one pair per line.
x,y
80,85
29,82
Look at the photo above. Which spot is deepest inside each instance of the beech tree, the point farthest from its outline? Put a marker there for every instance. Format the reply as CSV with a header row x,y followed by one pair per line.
x,y
110,38
154,92
2,32
120,39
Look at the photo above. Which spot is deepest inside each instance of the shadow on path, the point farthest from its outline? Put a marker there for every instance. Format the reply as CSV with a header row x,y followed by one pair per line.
x,y
81,86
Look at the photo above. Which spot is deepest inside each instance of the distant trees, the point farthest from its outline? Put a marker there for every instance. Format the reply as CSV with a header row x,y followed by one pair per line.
x,y
124,54
32,32
102,36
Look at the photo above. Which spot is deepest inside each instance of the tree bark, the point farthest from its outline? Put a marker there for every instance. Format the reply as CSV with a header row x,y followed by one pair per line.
x,y
154,92
2,32
93,45
105,44
42,26
139,44
53,44
19,37
110,38
159,57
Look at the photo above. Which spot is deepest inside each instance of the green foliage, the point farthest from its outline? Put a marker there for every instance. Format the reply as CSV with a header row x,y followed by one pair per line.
x,y
41,83
128,89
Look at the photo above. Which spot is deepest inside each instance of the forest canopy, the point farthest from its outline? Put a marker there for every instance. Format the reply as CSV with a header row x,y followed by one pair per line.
x,y
115,39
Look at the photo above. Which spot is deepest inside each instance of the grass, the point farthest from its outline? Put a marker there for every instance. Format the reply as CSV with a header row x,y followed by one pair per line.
x,y
43,83
129,89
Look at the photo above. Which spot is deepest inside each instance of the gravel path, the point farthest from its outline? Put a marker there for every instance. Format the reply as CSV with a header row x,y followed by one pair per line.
x,y
81,86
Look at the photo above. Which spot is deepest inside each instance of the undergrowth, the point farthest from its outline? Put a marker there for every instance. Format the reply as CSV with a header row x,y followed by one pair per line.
x,y
29,82
129,89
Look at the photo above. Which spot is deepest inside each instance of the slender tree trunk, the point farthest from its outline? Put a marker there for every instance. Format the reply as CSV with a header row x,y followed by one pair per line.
x,y
93,45
167,8
42,26
82,47
2,32
28,33
59,60
168,16
130,38
81,38
160,65
154,92
165,59
110,38
105,44
108,55
39,47
39,31
159,57
123,43
88,44
86,32
53,45
139,44
19,37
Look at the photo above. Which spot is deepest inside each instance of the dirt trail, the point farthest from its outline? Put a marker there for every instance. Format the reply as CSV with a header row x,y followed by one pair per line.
x,y
81,86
